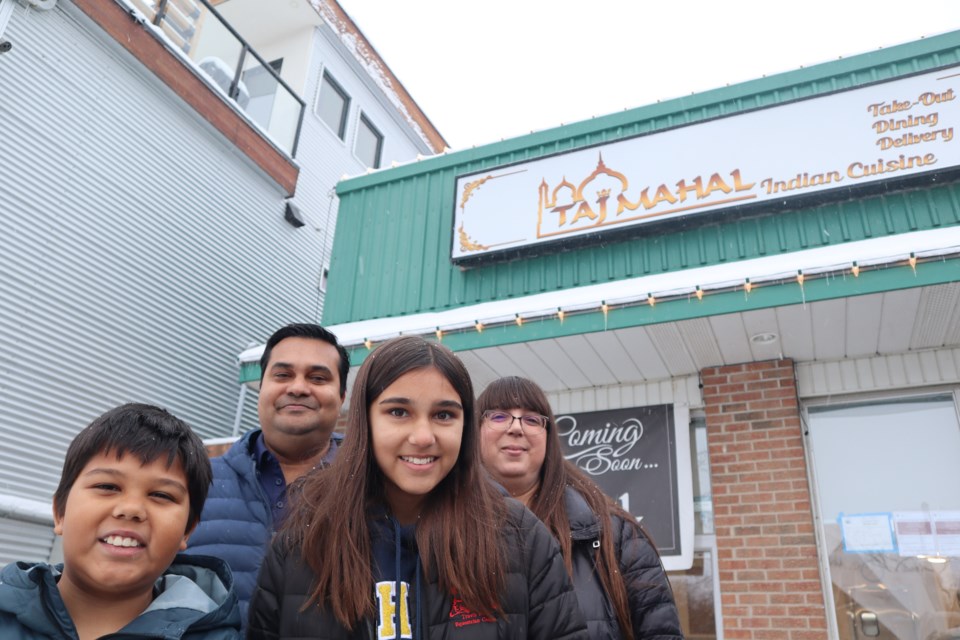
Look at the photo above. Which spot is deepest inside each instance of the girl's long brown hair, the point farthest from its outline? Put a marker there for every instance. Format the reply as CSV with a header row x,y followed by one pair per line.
x,y
556,474
457,534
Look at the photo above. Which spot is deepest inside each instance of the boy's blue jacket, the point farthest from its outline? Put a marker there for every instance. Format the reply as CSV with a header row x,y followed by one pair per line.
x,y
195,601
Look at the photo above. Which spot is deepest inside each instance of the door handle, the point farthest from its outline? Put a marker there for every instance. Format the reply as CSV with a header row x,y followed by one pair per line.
x,y
869,624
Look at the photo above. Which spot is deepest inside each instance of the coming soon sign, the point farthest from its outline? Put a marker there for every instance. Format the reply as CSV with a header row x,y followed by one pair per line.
x,y
641,458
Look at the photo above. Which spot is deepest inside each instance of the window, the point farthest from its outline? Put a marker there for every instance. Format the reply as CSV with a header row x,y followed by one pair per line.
x,y
333,105
887,481
369,143
262,88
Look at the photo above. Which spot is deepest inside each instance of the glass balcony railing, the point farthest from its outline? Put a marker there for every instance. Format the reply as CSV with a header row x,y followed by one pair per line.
x,y
218,51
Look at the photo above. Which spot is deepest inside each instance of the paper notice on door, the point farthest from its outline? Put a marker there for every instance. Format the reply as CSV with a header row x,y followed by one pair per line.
x,y
917,533
946,525
866,533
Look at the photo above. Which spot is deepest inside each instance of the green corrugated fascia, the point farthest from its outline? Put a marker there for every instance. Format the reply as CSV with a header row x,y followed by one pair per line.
x,y
762,297
387,217
909,58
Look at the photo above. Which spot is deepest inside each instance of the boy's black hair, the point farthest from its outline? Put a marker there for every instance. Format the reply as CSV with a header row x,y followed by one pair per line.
x,y
149,433
313,332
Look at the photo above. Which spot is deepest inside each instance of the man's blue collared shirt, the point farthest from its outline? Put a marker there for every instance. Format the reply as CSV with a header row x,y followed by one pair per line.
x,y
271,476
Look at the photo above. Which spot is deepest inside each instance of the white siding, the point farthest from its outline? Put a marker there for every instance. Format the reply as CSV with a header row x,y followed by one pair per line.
x,y
683,390
880,373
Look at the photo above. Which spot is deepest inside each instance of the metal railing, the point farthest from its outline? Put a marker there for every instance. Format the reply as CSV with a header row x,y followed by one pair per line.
x,y
222,54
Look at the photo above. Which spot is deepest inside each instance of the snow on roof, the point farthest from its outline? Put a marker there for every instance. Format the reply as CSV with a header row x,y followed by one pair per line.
x,y
355,42
866,253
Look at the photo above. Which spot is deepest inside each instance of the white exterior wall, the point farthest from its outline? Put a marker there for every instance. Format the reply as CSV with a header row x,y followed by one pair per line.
x,y
683,391
325,158
912,370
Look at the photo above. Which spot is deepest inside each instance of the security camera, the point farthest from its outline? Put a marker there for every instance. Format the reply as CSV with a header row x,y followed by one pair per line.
x,y
5,45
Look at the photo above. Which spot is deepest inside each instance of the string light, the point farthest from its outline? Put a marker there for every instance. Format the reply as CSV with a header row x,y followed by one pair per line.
x,y
519,320
800,277
368,343
439,333
699,293
604,307
561,314
855,270
478,325
651,300
748,286
913,262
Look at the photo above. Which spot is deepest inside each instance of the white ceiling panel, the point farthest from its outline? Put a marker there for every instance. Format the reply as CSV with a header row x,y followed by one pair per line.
x,y
897,320
935,317
796,331
829,325
670,345
863,325
610,349
529,359
732,339
702,344
566,371
594,366
638,344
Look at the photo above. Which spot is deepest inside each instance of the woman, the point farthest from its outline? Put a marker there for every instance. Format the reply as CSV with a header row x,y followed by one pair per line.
x,y
616,571
404,536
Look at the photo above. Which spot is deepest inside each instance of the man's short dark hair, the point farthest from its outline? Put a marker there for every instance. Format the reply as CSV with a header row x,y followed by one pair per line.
x,y
147,432
313,332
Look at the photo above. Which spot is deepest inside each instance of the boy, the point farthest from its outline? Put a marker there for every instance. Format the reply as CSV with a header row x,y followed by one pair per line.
x,y
131,492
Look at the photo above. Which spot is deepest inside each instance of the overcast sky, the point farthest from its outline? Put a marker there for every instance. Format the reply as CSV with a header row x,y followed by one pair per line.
x,y
494,69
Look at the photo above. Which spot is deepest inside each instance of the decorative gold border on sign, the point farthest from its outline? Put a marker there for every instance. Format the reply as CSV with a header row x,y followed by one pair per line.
x,y
468,244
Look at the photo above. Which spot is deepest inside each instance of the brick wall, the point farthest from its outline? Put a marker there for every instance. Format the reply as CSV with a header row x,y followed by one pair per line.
x,y
770,581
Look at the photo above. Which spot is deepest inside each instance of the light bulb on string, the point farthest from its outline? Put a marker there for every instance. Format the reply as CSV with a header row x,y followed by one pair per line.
x,y
439,333
747,285
478,325
913,262
519,320
561,314
699,293
368,343
855,270
651,300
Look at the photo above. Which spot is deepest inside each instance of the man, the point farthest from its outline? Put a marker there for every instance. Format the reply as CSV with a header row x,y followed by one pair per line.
x,y
303,381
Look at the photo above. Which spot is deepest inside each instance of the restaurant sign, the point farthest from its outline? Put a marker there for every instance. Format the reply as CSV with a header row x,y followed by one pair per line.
x,y
886,130
640,457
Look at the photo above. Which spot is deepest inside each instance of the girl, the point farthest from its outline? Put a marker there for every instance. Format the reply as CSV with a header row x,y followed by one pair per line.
x,y
617,574
404,536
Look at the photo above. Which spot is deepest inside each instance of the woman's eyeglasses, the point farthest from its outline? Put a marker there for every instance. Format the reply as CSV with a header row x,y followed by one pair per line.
x,y
501,421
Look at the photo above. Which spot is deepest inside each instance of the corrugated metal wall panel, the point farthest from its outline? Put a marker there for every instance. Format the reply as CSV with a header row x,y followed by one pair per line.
x,y
880,373
140,251
25,541
394,274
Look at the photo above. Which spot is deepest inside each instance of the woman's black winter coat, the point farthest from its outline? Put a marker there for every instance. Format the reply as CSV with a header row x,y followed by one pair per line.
x,y
652,607
538,602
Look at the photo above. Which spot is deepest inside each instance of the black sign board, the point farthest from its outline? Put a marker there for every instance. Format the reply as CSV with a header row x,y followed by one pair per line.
x,y
632,455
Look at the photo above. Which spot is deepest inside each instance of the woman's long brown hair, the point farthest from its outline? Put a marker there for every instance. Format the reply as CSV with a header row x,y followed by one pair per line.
x,y
555,475
457,534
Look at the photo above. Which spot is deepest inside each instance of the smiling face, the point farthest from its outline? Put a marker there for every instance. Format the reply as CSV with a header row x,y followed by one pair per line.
x,y
122,525
416,427
300,397
514,457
